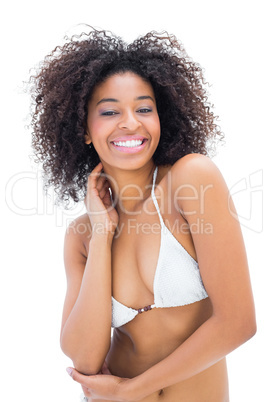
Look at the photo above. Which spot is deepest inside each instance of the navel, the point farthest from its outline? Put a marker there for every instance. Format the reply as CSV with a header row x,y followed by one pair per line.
x,y
161,392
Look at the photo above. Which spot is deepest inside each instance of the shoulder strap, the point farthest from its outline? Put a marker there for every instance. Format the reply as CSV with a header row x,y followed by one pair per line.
x,y
154,197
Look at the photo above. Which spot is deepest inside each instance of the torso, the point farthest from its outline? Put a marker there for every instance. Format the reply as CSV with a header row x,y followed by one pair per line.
x,y
153,335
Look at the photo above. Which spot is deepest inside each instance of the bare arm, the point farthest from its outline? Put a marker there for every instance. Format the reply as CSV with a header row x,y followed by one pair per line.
x,y
86,323
224,269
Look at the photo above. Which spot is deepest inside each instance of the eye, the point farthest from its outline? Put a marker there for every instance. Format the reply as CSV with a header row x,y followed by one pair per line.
x,y
144,110
109,113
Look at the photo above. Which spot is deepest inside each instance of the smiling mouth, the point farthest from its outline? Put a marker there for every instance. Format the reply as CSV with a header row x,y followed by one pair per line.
x,y
129,143
129,146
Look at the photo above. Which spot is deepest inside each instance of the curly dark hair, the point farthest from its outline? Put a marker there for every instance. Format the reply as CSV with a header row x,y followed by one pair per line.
x,y
65,81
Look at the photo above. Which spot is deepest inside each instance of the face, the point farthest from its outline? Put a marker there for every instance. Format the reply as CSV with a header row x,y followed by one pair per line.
x,y
123,122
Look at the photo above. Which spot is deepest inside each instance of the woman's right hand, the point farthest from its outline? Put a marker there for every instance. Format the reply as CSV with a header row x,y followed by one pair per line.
x,y
103,216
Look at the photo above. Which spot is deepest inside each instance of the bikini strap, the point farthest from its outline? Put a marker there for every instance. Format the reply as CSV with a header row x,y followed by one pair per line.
x,y
154,198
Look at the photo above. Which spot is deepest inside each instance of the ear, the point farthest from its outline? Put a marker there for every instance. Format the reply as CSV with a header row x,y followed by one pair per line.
x,y
88,138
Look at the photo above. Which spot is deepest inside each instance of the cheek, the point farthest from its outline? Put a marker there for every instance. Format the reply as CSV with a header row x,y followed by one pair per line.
x,y
95,127
156,127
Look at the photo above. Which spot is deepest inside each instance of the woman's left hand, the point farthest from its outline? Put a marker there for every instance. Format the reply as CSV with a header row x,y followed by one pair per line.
x,y
103,386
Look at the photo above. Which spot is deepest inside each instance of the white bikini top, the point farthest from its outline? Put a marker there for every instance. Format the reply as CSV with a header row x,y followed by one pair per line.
x,y
177,280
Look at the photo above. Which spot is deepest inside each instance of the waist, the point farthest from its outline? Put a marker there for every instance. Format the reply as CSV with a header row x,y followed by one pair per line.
x,y
211,385
154,335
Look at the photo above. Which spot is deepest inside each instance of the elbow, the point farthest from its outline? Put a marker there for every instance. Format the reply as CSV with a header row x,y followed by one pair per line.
x,y
245,329
87,366
249,324
236,329
87,363
251,329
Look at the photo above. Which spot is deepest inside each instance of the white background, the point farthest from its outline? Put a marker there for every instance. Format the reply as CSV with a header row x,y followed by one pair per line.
x,y
229,40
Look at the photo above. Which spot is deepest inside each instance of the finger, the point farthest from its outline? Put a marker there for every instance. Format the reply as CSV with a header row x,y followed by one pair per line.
x,y
89,382
99,166
97,169
104,190
101,180
84,380
94,175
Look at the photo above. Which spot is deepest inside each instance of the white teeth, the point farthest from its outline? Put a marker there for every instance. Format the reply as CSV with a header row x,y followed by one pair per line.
x,y
131,143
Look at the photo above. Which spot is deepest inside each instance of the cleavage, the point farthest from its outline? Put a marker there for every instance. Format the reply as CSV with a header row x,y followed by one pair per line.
x,y
135,255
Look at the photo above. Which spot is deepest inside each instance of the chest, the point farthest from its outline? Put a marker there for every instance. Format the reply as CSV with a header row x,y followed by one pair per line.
x,y
135,253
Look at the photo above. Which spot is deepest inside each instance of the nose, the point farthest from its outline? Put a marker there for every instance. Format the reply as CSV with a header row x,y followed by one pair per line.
x,y
129,121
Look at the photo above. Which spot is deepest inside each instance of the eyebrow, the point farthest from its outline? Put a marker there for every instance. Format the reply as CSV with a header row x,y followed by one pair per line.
x,y
116,100
144,97
107,100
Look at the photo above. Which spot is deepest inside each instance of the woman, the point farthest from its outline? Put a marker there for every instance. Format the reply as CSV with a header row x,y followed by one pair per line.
x,y
159,253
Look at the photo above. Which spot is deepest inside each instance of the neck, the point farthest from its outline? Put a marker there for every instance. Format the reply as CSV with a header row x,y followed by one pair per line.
x,y
130,188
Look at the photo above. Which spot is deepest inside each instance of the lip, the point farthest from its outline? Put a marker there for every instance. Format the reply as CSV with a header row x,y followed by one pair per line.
x,y
130,150
129,138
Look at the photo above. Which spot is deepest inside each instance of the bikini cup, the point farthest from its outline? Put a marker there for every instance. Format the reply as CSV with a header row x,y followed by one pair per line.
x,y
177,280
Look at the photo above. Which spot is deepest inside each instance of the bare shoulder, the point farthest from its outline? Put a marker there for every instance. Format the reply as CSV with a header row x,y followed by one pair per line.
x,y
194,169
77,237
196,182
79,228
